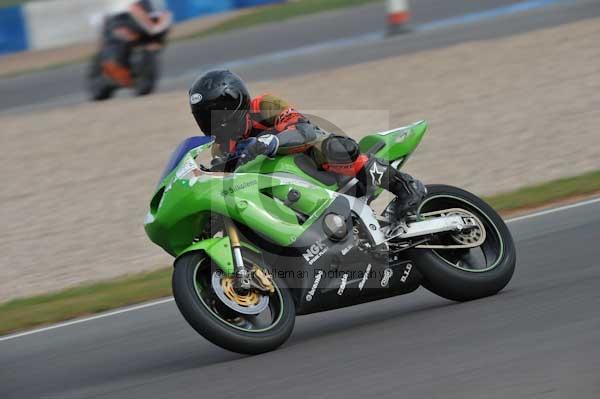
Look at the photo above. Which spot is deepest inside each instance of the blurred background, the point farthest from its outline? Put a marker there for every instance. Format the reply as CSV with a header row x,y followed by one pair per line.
x,y
509,87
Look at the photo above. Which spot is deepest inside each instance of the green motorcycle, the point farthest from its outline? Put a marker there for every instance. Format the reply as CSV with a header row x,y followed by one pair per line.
x,y
278,238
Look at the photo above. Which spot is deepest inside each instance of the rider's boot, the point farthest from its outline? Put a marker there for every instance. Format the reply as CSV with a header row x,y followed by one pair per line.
x,y
408,190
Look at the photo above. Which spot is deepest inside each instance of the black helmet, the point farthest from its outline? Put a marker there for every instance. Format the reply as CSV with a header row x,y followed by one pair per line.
x,y
220,102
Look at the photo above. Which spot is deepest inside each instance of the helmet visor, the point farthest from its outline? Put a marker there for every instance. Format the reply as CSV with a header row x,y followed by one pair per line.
x,y
224,125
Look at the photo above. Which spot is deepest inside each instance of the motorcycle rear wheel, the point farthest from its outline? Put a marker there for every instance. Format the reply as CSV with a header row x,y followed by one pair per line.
x,y
210,317
466,274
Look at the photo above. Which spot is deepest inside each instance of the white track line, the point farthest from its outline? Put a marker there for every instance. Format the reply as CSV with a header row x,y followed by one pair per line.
x,y
553,210
166,300
86,319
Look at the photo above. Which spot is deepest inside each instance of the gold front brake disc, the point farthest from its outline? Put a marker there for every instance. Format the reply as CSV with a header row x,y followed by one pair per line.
x,y
250,298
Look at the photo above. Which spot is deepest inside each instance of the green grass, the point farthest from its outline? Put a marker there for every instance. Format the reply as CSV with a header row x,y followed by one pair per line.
x,y
88,299
547,192
278,13
10,3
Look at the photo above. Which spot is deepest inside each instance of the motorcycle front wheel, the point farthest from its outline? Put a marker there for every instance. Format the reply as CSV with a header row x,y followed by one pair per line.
x,y
207,302
146,70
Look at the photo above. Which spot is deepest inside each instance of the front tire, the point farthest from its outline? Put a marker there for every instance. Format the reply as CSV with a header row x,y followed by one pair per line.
x,y
200,307
462,275
147,72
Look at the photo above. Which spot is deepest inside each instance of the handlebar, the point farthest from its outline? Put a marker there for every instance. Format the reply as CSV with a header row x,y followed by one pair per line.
x,y
229,164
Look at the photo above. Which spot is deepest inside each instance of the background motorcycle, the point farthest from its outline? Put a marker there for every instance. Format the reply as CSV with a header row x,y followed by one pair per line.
x,y
279,238
144,66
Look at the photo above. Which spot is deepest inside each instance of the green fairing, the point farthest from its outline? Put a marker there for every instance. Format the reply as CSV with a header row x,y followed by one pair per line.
x,y
399,143
254,196
218,249
283,164
182,205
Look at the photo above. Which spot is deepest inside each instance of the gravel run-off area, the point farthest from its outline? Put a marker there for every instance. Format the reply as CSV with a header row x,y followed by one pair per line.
x,y
504,113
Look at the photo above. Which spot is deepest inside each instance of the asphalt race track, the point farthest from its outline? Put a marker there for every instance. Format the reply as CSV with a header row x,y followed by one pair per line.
x,y
537,339
308,44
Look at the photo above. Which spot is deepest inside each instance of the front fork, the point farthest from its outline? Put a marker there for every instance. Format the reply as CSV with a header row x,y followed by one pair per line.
x,y
245,279
242,279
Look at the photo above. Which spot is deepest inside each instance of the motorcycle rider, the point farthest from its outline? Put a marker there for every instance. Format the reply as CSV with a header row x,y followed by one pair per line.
x,y
268,125
142,21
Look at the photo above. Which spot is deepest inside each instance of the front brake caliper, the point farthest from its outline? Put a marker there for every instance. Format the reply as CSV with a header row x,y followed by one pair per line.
x,y
261,280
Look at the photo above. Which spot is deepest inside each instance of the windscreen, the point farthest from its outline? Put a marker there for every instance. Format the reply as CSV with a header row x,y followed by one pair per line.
x,y
182,149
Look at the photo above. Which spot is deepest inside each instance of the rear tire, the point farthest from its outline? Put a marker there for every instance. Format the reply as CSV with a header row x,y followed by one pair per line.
x,y
451,281
213,327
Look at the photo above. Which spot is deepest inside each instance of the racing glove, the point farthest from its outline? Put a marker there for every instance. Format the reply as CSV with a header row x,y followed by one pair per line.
x,y
248,149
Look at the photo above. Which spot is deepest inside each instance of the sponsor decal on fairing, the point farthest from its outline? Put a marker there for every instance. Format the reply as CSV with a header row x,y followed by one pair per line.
x,y
365,278
343,284
406,273
315,251
387,274
313,289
